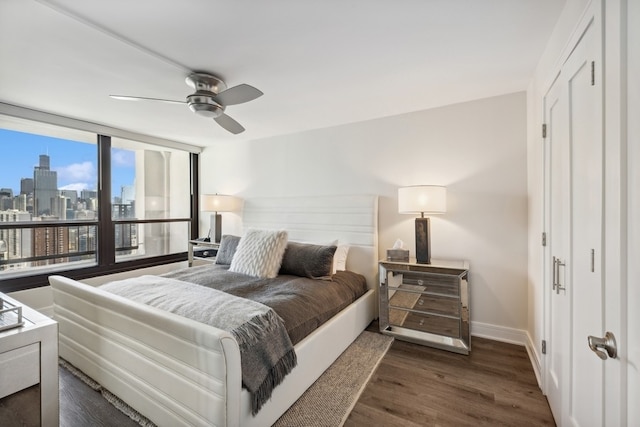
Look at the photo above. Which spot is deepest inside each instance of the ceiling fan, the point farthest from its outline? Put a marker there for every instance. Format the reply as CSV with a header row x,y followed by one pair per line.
x,y
210,99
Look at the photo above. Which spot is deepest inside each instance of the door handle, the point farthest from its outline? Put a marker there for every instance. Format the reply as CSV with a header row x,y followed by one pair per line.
x,y
555,275
608,343
557,286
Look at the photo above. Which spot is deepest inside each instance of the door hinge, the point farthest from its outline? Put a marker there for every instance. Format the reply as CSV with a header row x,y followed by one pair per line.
x,y
544,130
544,347
544,239
593,73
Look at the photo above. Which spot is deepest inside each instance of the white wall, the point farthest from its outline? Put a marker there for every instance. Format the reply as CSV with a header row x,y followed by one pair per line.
x,y
477,149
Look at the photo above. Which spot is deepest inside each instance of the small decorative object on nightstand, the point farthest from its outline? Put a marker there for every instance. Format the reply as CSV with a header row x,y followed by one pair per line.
x,y
426,303
195,245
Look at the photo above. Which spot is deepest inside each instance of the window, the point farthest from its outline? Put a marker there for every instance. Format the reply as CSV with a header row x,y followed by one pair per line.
x,y
60,214
149,183
48,176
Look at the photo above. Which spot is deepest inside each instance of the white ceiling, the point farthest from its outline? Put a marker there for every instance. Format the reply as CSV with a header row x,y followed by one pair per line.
x,y
319,63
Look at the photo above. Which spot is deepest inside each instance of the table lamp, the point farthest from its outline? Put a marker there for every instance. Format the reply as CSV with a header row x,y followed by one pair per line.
x,y
422,199
217,203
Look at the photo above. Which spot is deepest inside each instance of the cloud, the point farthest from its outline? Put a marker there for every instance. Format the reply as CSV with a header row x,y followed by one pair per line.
x,y
78,186
122,158
77,172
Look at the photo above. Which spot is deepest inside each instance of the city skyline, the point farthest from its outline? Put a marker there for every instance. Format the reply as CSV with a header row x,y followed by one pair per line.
x,y
75,162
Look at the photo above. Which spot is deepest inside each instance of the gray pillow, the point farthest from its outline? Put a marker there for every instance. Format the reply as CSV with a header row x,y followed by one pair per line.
x,y
307,260
227,249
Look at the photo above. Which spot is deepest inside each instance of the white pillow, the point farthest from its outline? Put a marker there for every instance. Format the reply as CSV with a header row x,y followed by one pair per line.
x,y
259,253
340,258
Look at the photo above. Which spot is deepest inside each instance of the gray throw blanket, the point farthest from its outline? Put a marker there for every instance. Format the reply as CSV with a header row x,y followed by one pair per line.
x,y
267,354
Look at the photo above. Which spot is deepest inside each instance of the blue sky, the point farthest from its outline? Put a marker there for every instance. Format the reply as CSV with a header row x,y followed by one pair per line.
x,y
75,162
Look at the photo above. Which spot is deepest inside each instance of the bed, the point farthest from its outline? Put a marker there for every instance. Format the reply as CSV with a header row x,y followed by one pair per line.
x,y
178,371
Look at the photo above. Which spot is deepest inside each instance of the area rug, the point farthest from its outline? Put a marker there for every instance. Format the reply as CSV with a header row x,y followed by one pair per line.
x,y
329,401
326,403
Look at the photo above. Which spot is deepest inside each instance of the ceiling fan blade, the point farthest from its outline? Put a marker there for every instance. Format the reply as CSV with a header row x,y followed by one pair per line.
x,y
238,95
141,98
229,124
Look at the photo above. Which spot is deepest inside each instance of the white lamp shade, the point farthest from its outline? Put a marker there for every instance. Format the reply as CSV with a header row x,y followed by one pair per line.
x,y
422,199
220,203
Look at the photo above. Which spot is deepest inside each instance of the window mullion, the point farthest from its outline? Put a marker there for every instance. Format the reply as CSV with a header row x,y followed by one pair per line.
x,y
106,232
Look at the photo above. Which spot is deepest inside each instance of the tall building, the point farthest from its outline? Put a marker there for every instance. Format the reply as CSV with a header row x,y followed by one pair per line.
x,y
127,194
88,194
20,202
26,185
59,207
16,242
72,198
6,199
45,186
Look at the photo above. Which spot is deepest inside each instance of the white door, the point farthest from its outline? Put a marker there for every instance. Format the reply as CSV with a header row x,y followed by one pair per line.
x,y
631,364
556,189
574,374
584,265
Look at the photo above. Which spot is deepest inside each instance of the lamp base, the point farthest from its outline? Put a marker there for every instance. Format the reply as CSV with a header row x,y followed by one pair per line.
x,y
215,228
423,241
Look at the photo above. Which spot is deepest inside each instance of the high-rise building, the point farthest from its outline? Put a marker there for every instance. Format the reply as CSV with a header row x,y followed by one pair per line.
x,y
72,198
127,194
26,186
88,194
59,207
45,186
20,202
17,241
6,199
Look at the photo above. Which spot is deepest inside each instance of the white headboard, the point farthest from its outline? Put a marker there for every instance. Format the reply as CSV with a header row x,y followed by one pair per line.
x,y
350,219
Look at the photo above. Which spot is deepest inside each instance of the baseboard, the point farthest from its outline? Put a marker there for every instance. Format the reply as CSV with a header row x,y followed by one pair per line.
x,y
512,336
499,333
535,360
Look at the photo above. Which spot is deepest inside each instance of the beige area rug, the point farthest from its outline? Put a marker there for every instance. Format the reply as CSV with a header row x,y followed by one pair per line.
x,y
327,403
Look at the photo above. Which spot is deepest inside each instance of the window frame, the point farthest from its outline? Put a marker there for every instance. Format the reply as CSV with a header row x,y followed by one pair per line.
x,y
106,246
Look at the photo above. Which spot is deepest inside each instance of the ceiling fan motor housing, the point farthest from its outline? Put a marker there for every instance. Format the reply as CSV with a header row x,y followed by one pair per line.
x,y
204,105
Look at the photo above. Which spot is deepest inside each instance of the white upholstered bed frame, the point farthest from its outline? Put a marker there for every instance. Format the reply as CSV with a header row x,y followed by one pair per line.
x,y
176,371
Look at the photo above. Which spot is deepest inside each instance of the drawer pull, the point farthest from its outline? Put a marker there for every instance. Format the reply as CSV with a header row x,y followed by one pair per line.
x,y
420,282
421,322
420,301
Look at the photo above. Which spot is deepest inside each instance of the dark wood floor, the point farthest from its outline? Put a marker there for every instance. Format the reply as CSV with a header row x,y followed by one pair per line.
x,y
421,386
413,386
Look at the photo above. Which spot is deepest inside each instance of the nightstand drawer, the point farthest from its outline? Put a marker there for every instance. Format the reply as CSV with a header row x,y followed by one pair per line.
x,y
433,283
433,324
19,369
424,302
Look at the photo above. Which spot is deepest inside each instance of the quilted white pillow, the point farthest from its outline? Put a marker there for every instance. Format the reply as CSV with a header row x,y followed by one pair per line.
x,y
259,253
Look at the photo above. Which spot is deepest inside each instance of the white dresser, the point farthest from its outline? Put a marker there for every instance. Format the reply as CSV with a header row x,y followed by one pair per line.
x,y
28,356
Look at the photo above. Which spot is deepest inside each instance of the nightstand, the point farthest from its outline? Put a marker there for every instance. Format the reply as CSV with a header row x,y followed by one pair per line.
x,y
199,244
426,303
28,356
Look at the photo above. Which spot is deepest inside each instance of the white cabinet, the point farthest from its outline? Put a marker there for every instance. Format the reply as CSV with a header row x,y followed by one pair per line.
x,y
28,356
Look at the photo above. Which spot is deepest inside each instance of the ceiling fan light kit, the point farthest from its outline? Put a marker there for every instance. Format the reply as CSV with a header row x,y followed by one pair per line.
x,y
210,99
204,105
